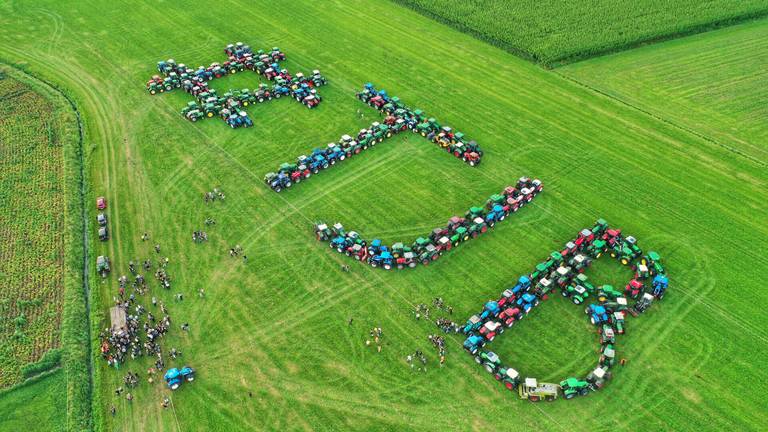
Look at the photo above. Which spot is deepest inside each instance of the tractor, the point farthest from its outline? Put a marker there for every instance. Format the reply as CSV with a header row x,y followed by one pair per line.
x,y
660,284
543,287
509,315
490,329
473,323
194,115
102,266
491,309
478,227
322,232
597,378
101,219
597,314
420,245
461,234
317,79
642,272
173,378
535,391
474,212
584,239
278,182
489,360
408,259
643,304
626,251
262,93
384,259
607,335
496,214
633,289
359,251
334,153
430,254
509,377
101,203
472,158
188,373
428,127
606,292
653,262
527,302
312,100
103,233
563,275
577,293
617,319
579,263
398,249
608,357
572,387
473,343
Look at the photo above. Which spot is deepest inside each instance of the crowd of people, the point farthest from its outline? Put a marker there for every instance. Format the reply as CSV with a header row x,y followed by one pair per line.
x,y
215,194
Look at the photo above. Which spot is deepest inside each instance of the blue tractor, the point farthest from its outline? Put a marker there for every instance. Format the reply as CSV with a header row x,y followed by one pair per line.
x,y
660,284
278,182
340,243
383,259
473,343
173,378
244,119
317,162
375,247
597,314
334,153
473,323
527,302
188,373
523,284
496,214
280,90
301,92
491,309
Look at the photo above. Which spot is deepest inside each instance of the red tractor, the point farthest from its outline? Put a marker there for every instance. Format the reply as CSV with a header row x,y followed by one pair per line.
x,y
472,158
633,288
101,203
510,315
490,329
585,238
377,102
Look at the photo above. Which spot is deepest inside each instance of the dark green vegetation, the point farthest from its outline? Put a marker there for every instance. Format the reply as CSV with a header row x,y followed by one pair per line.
x,y
556,32
277,325
42,259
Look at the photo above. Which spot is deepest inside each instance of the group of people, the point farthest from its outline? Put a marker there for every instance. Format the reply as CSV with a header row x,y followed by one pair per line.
x,y
439,343
417,356
199,236
236,252
376,335
215,194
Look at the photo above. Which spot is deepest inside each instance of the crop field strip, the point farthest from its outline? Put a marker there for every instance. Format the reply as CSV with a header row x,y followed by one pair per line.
x,y
32,233
247,330
545,34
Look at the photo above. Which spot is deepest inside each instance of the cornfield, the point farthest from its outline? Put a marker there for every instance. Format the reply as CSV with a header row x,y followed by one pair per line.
x,y
556,32
31,229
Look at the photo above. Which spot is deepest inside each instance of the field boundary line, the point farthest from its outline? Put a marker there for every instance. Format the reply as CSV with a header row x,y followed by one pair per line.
x,y
658,117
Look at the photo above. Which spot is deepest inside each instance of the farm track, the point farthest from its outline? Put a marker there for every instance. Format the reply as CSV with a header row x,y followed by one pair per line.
x,y
283,334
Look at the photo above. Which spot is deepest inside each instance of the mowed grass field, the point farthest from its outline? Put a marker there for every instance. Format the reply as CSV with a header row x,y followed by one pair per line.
x,y
564,31
712,83
276,326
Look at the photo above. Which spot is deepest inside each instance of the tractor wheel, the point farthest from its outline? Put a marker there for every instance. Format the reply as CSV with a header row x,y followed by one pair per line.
x,y
489,368
576,301
475,234
478,360
152,92
232,71
624,261
261,99
342,157
399,266
315,171
325,165
483,229
533,398
472,163
613,254
387,267
193,119
564,293
491,224
245,103
413,264
298,180
536,303
593,321
278,95
425,262
457,154
209,115
333,161
373,264
550,398
435,257
278,189
509,385
570,395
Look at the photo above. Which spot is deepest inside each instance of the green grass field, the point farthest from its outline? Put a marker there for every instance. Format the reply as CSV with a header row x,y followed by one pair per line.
x,y
557,32
276,326
37,405
709,83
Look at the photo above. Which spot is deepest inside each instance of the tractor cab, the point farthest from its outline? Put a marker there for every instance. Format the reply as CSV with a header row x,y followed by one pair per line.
x,y
597,378
322,232
608,358
535,391
103,233
491,309
101,218
510,377
573,387
489,359
473,343
490,329
473,323
102,265
188,373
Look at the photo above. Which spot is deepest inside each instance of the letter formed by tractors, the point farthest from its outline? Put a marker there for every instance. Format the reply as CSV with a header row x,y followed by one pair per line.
x,y
563,270
231,105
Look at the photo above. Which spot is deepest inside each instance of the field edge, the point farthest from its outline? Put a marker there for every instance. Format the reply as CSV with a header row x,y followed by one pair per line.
x,y
75,327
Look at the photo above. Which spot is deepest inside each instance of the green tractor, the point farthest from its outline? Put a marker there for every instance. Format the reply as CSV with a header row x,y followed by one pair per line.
x,y
191,106
626,251
543,287
474,212
597,248
509,377
489,360
399,249
427,127
461,234
420,245
429,254
563,276
536,391
478,227
653,262
608,357
607,292
572,387
579,263
194,115
211,109
577,293
600,226
496,199
102,266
